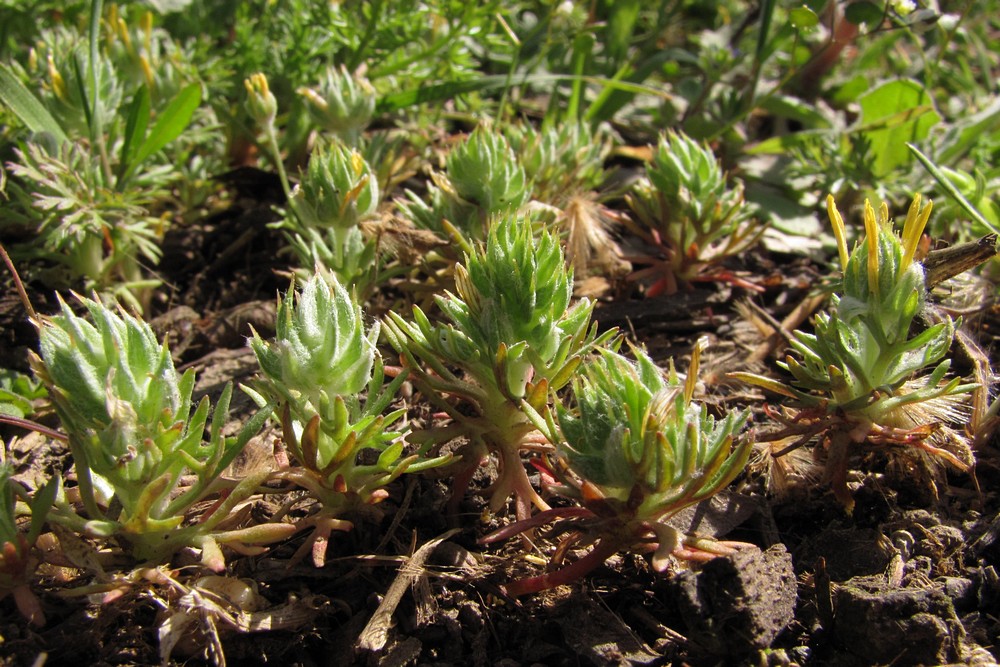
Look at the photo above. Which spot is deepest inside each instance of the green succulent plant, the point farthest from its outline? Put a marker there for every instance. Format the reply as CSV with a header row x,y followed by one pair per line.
x,y
337,190
317,368
337,193
127,415
634,449
483,179
560,158
510,337
861,376
686,209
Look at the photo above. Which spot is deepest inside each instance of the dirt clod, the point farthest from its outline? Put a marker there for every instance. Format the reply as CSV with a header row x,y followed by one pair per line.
x,y
910,626
739,603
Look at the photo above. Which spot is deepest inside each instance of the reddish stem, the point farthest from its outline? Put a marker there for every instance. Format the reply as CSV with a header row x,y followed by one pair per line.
x,y
575,570
535,521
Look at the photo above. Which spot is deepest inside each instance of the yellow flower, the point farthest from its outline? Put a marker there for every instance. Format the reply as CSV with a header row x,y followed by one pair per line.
x,y
913,229
260,101
871,233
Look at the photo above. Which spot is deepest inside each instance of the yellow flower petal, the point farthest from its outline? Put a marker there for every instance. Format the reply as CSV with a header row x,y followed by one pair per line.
x,y
838,230
871,233
913,229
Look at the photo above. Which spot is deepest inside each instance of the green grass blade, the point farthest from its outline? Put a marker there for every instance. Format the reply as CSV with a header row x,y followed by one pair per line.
x,y
136,125
583,46
438,92
28,108
173,120
450,89
950,188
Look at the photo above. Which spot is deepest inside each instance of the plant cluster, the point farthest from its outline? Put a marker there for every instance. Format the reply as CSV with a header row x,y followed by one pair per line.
x,y
135,441
634,449
463,184
511,337
315,371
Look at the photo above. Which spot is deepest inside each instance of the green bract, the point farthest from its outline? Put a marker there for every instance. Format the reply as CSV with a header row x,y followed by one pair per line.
x,y
113,379
688,211
127,415
337,190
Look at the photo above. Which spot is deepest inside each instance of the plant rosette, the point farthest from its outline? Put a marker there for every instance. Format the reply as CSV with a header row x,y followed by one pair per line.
x,y
686,210
316,369
510,338
634,450
127,416
861,377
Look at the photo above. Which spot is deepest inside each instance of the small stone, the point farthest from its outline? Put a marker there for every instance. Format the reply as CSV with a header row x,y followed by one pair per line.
x,y
738,603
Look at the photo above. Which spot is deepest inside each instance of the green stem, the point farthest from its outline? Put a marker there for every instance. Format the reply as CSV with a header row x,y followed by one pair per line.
x,y
272,144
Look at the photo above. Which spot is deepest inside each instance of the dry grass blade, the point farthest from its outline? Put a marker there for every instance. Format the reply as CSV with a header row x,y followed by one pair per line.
x,y
374,636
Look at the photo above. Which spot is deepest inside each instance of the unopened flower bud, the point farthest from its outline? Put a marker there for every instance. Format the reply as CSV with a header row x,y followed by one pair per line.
x,y
261,103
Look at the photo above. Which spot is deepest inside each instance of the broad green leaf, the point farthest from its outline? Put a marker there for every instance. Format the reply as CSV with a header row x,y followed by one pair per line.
x,y
23,103
909,114
867,13
803,18
172,121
